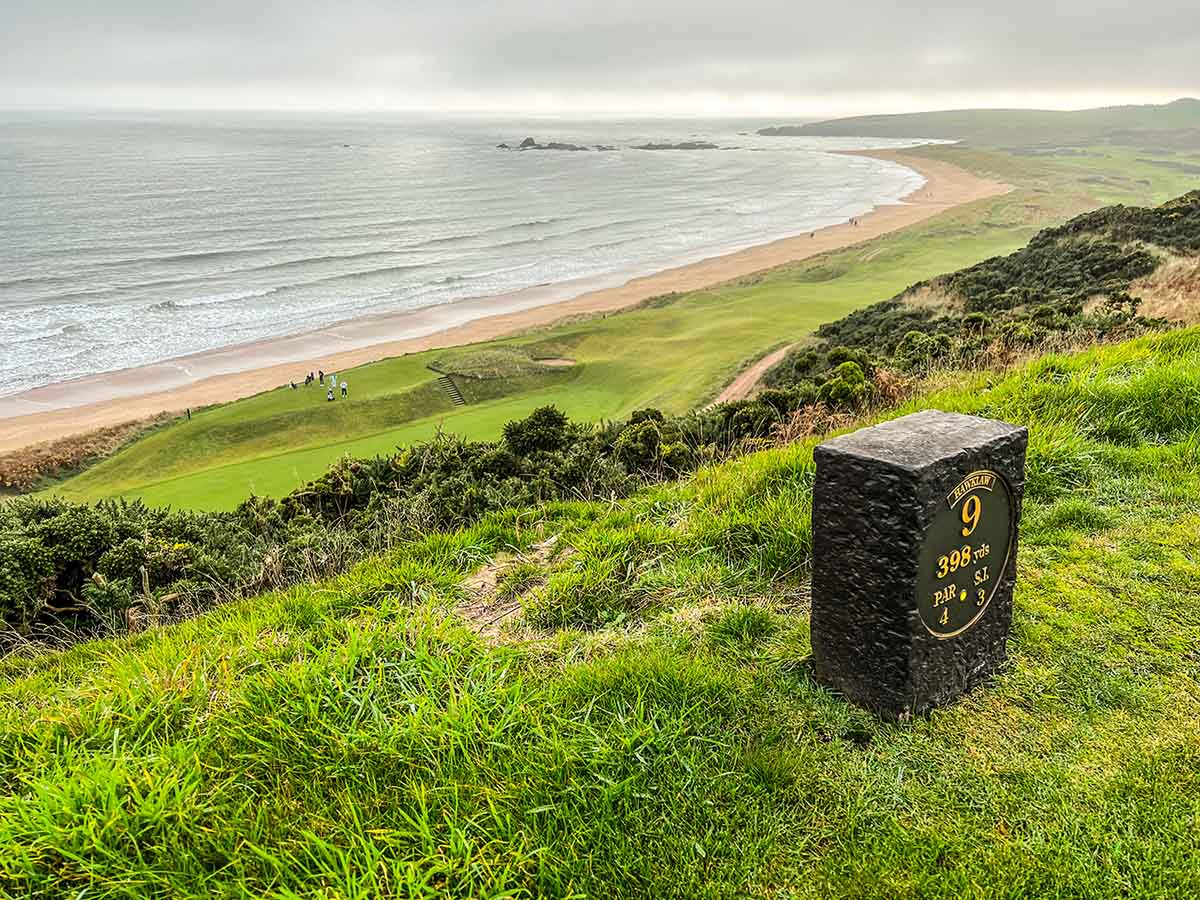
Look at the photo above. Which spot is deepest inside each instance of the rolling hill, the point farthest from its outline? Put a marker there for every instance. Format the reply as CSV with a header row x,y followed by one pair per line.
x,y
1174,124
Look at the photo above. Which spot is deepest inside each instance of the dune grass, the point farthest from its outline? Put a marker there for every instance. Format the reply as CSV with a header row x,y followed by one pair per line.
x,y
674,354
651,728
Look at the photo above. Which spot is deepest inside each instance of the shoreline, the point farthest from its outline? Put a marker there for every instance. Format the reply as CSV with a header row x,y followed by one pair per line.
x,y
231,373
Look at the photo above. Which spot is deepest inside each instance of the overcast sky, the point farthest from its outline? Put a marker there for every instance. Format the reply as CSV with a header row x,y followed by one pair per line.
x,y
750,57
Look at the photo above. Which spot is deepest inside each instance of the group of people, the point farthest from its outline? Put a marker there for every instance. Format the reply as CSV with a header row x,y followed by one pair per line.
x,y
321,378
853,222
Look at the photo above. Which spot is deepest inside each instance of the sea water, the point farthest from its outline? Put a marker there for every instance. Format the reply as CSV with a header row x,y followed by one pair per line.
x,y
132,239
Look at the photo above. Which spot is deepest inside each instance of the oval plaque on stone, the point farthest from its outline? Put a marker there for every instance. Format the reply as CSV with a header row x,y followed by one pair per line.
x,y
965,552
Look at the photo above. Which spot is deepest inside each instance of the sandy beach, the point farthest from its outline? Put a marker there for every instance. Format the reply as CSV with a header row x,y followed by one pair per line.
x,y
230,373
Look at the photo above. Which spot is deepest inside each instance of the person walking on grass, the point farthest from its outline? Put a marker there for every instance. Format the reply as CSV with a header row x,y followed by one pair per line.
x,y
321,376
343,389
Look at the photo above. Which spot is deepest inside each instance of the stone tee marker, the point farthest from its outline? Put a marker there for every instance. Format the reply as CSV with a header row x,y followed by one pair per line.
x,y
914,558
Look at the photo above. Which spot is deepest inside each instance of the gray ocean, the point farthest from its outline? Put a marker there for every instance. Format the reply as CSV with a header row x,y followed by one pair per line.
x,y
131,239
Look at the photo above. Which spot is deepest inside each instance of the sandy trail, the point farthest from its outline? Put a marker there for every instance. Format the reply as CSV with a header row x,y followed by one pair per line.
x,y
740,387
234,372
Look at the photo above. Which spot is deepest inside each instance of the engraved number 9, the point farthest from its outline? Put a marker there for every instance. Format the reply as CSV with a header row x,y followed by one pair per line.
x,y
970,514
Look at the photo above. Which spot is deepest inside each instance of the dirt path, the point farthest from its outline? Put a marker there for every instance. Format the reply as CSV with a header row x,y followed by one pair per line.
x,y
740,387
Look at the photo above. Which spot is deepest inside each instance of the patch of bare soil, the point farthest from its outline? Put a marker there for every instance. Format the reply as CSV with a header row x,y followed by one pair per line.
x,y
494,593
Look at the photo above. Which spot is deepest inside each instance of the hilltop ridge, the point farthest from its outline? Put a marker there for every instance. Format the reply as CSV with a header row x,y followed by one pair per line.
x,y
1175,123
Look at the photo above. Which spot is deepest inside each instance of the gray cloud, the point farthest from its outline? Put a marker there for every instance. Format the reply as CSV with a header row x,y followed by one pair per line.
x,y
614,54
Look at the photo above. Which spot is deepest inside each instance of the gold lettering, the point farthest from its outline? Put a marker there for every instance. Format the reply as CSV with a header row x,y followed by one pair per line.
x,y
944,595
955,561
976,480
971,512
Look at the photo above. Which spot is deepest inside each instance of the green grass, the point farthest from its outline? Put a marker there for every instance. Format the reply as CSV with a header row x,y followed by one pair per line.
x,y
659,735
674,354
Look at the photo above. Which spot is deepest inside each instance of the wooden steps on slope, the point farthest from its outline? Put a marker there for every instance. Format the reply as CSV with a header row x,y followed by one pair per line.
x,y
452,390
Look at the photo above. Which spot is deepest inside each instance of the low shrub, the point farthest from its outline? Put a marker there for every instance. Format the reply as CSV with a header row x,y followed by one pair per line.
x,y
69,570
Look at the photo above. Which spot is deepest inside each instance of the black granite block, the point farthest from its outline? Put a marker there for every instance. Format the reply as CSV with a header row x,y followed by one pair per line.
x,y
914,558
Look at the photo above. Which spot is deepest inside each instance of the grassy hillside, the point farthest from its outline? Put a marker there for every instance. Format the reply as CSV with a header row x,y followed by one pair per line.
x,y
1174,124
594,700
673,354
1094,277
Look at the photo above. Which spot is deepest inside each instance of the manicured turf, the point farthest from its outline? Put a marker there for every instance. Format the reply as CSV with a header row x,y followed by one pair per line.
x,y
673,355
653,729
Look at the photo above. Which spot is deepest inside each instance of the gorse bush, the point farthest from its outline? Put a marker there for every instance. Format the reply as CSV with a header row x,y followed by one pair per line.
x,y
544,429
846,386
69,570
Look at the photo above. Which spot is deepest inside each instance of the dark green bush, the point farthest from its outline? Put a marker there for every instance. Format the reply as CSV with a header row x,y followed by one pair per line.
x,y
543,429
106,599
124,560
646,415
26,578
846,388
640,445
919,352
753,419
860,358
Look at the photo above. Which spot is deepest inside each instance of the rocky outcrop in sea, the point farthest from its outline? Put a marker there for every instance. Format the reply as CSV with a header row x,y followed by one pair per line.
x,y
532,144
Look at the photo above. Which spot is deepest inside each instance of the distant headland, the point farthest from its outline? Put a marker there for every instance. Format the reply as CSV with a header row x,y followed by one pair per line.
x,y
1167,124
